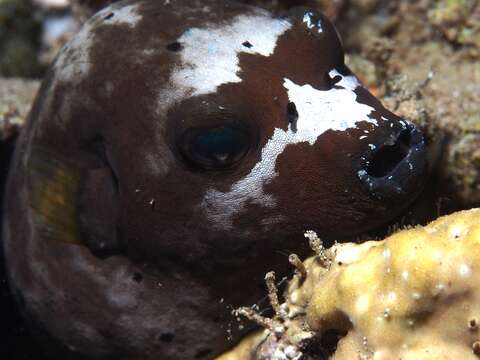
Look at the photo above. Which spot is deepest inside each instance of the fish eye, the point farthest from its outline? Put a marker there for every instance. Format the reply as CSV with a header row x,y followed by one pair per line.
x,y
215,148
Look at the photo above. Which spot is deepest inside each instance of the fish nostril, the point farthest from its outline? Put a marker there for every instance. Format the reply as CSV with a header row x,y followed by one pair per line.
x,y
388,157
399,167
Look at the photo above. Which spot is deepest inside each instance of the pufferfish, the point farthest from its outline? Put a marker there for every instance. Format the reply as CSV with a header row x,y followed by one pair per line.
x,y
175,151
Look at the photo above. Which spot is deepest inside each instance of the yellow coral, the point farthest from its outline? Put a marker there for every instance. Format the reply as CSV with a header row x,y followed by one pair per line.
x,y
414,295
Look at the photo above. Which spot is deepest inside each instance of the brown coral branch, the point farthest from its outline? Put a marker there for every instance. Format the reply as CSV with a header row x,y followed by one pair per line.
x,y
298,264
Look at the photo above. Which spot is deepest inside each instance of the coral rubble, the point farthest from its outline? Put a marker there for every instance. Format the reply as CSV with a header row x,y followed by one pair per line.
x,y
19,39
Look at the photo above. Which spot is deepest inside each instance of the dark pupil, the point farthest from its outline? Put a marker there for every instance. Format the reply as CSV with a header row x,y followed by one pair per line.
x,y
219,146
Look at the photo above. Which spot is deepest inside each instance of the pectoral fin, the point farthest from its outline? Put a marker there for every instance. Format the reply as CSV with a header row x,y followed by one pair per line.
x,y
54,188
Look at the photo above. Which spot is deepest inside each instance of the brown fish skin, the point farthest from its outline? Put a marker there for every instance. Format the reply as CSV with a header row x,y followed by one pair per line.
x,y
126,238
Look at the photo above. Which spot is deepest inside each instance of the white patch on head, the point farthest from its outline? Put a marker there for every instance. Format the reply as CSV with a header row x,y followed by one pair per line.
x,y
73,62
318,111
210,55
122,292
124,15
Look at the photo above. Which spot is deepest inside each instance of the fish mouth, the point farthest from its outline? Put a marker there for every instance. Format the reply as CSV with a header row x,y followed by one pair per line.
x,y
397,167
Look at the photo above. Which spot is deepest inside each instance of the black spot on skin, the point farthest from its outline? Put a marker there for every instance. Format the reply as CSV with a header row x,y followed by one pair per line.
x,y
336,79
202,353
109,16
175,46
167,337
292,115
137,277
332,81
247,44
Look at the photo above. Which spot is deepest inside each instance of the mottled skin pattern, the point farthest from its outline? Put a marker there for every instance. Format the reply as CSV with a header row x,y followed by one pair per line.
x,y
112,247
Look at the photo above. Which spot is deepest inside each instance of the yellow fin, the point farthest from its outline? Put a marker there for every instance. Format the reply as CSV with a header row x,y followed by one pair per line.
x,y
53,187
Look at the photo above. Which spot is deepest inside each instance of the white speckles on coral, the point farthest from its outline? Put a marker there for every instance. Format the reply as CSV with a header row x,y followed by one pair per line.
x,y
457,231
465,271
362,304
391,297
73,62
318,111
351,253
210,55
416,295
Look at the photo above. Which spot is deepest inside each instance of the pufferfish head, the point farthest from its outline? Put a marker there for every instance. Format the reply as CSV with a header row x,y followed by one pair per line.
x,y
199,131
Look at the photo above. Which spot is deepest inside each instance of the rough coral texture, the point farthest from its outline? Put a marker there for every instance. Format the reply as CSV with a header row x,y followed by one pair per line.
x,y
434,46
458,20
414,295
20,33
